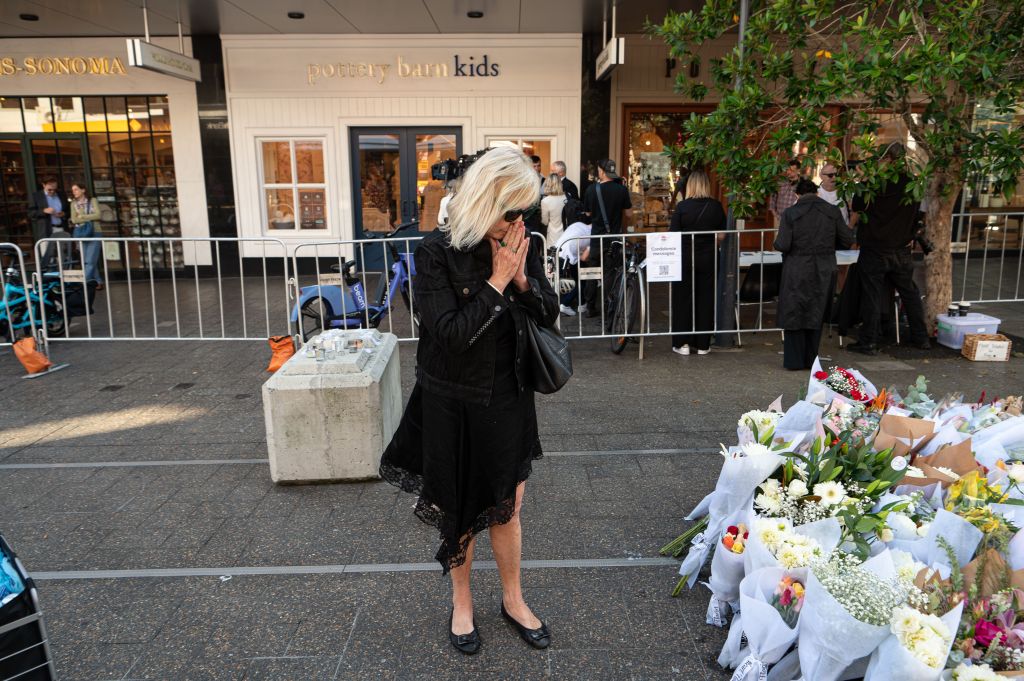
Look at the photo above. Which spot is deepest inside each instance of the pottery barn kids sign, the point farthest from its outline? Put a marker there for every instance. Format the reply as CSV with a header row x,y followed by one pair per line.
x,y
401,68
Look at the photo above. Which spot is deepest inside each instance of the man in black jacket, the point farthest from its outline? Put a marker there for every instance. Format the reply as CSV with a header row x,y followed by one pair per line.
x,y
885,231
48,209
568,186
608,204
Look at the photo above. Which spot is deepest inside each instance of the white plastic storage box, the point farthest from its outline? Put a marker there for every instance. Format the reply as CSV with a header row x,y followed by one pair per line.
x,y
953,329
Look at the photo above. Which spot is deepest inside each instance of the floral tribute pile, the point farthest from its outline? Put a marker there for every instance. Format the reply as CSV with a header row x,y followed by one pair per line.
x,y
862,533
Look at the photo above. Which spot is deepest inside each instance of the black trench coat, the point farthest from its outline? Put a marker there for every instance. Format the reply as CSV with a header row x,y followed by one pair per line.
x,y
809,234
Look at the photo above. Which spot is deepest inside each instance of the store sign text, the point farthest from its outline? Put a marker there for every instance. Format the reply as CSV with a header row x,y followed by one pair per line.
x,y
459,68
62,66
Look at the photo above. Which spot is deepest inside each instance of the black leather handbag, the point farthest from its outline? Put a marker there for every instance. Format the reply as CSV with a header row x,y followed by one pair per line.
x,y
549,356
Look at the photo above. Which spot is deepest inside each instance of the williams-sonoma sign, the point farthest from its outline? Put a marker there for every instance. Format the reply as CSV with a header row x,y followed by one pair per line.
x,y
62,66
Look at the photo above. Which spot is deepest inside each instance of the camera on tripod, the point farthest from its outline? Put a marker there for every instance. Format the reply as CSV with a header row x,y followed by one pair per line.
x,y
453,168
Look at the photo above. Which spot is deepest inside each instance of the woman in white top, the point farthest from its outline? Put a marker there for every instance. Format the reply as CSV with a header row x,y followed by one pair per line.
x,y
551,208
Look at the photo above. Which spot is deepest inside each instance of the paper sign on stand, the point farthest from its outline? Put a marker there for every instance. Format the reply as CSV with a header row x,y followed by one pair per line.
x,y
664,257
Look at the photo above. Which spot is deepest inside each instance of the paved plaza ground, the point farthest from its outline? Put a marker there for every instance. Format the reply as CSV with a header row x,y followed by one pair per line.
x,y
135,489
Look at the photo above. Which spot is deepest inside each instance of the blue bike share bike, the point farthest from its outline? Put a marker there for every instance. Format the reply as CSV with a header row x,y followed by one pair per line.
x,y
17,298
336,307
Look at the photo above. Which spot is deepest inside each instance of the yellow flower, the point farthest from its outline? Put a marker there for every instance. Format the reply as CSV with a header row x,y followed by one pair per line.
x,y
823,53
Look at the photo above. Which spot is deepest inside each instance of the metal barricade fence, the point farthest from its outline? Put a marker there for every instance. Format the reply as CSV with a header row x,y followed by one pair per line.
x,y
17,295
149,292
645,302
356,283
988,252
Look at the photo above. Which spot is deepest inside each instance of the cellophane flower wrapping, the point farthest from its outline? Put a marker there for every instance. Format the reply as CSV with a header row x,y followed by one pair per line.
x,y
768,635
961,535
825,622
819,393
726,574
892,662
800,422
825,532
734,491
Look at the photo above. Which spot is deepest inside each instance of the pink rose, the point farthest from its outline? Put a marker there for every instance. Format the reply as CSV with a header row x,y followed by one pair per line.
x,y
985,632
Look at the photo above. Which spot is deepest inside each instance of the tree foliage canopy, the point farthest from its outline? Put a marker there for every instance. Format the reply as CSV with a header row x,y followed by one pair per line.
x,y
930,64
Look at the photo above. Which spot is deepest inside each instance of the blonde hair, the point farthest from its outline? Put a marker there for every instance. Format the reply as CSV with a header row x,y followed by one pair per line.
x,y
698,185
500,180
553,185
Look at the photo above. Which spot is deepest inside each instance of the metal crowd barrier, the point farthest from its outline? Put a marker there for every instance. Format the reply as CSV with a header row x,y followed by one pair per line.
x,y
988,256
17,308
652,313
132,288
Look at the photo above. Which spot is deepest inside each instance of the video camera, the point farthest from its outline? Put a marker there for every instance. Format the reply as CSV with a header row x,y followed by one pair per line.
x,y
453,168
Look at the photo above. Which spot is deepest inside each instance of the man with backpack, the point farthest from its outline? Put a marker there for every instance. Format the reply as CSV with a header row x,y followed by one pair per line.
x,y
609,207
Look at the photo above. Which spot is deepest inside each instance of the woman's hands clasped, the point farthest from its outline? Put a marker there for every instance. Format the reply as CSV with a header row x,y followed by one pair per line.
x,y
508,262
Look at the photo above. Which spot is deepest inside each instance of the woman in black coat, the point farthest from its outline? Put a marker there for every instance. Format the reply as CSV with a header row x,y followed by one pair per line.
x,y
693,298
469,433
810,232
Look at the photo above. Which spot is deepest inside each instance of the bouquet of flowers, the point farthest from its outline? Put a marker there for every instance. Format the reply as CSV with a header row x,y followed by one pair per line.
x,y
971,497
990,633
727,570
845,384
771,599
850,602
743,469
774,542
757,425
918,647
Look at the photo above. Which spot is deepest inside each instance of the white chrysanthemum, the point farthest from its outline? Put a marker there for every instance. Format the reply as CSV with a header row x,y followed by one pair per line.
x,y
771,486
755,449
768,503
831,493
924,636
1016,472
905,620
797,489
975,672
907,568
901,525
759,419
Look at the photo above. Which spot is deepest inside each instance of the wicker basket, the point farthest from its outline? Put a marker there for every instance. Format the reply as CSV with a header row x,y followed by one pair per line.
x,y
987,347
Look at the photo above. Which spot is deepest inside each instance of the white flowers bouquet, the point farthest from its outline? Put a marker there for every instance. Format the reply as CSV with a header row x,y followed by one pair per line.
x,y
742,470
972,672
774,542
849,602
767,633
757,426
918,647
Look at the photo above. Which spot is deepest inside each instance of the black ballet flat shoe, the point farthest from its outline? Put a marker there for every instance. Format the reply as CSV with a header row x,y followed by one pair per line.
x,y
467,644
538,638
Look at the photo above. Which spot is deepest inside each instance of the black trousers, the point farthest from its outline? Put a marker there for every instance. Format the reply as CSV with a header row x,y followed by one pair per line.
x,y
693,305
612,262
878,272
800,347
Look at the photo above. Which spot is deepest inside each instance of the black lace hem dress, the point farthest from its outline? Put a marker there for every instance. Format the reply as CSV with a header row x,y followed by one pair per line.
x,y
465,460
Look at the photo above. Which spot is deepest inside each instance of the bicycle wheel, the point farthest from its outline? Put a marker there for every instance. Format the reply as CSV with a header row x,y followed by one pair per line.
x,y
626,316
313,313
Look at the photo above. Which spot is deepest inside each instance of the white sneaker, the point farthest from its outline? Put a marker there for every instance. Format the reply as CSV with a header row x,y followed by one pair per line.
x,y
704,352
685,350
568,311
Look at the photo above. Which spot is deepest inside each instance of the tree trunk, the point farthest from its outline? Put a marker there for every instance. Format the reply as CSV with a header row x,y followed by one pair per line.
x,y
940,197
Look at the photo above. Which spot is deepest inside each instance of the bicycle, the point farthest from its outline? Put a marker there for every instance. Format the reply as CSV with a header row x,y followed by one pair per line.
x,y
625,297
14,307
334,307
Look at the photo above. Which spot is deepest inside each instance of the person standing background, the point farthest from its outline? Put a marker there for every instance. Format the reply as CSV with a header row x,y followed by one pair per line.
x,y
85,213
693,298
830,193
809,234
569,187
785,196
608,204
885,229
48,210
551,208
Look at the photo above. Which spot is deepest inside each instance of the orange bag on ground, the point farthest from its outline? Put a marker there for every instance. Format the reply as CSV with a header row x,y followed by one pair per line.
x,y
282,348
34,361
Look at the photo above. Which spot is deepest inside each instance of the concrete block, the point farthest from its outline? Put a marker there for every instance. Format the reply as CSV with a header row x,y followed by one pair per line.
x,y
331,420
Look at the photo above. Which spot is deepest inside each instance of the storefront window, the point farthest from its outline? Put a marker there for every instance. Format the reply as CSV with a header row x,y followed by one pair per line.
x,y
530,147
119,147
649,173
294,185
431,149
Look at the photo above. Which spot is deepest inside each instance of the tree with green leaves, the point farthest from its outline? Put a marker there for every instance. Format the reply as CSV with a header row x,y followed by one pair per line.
x,y
928,65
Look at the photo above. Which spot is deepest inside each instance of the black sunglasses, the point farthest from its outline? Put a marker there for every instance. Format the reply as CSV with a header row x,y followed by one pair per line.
x,y
513,215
